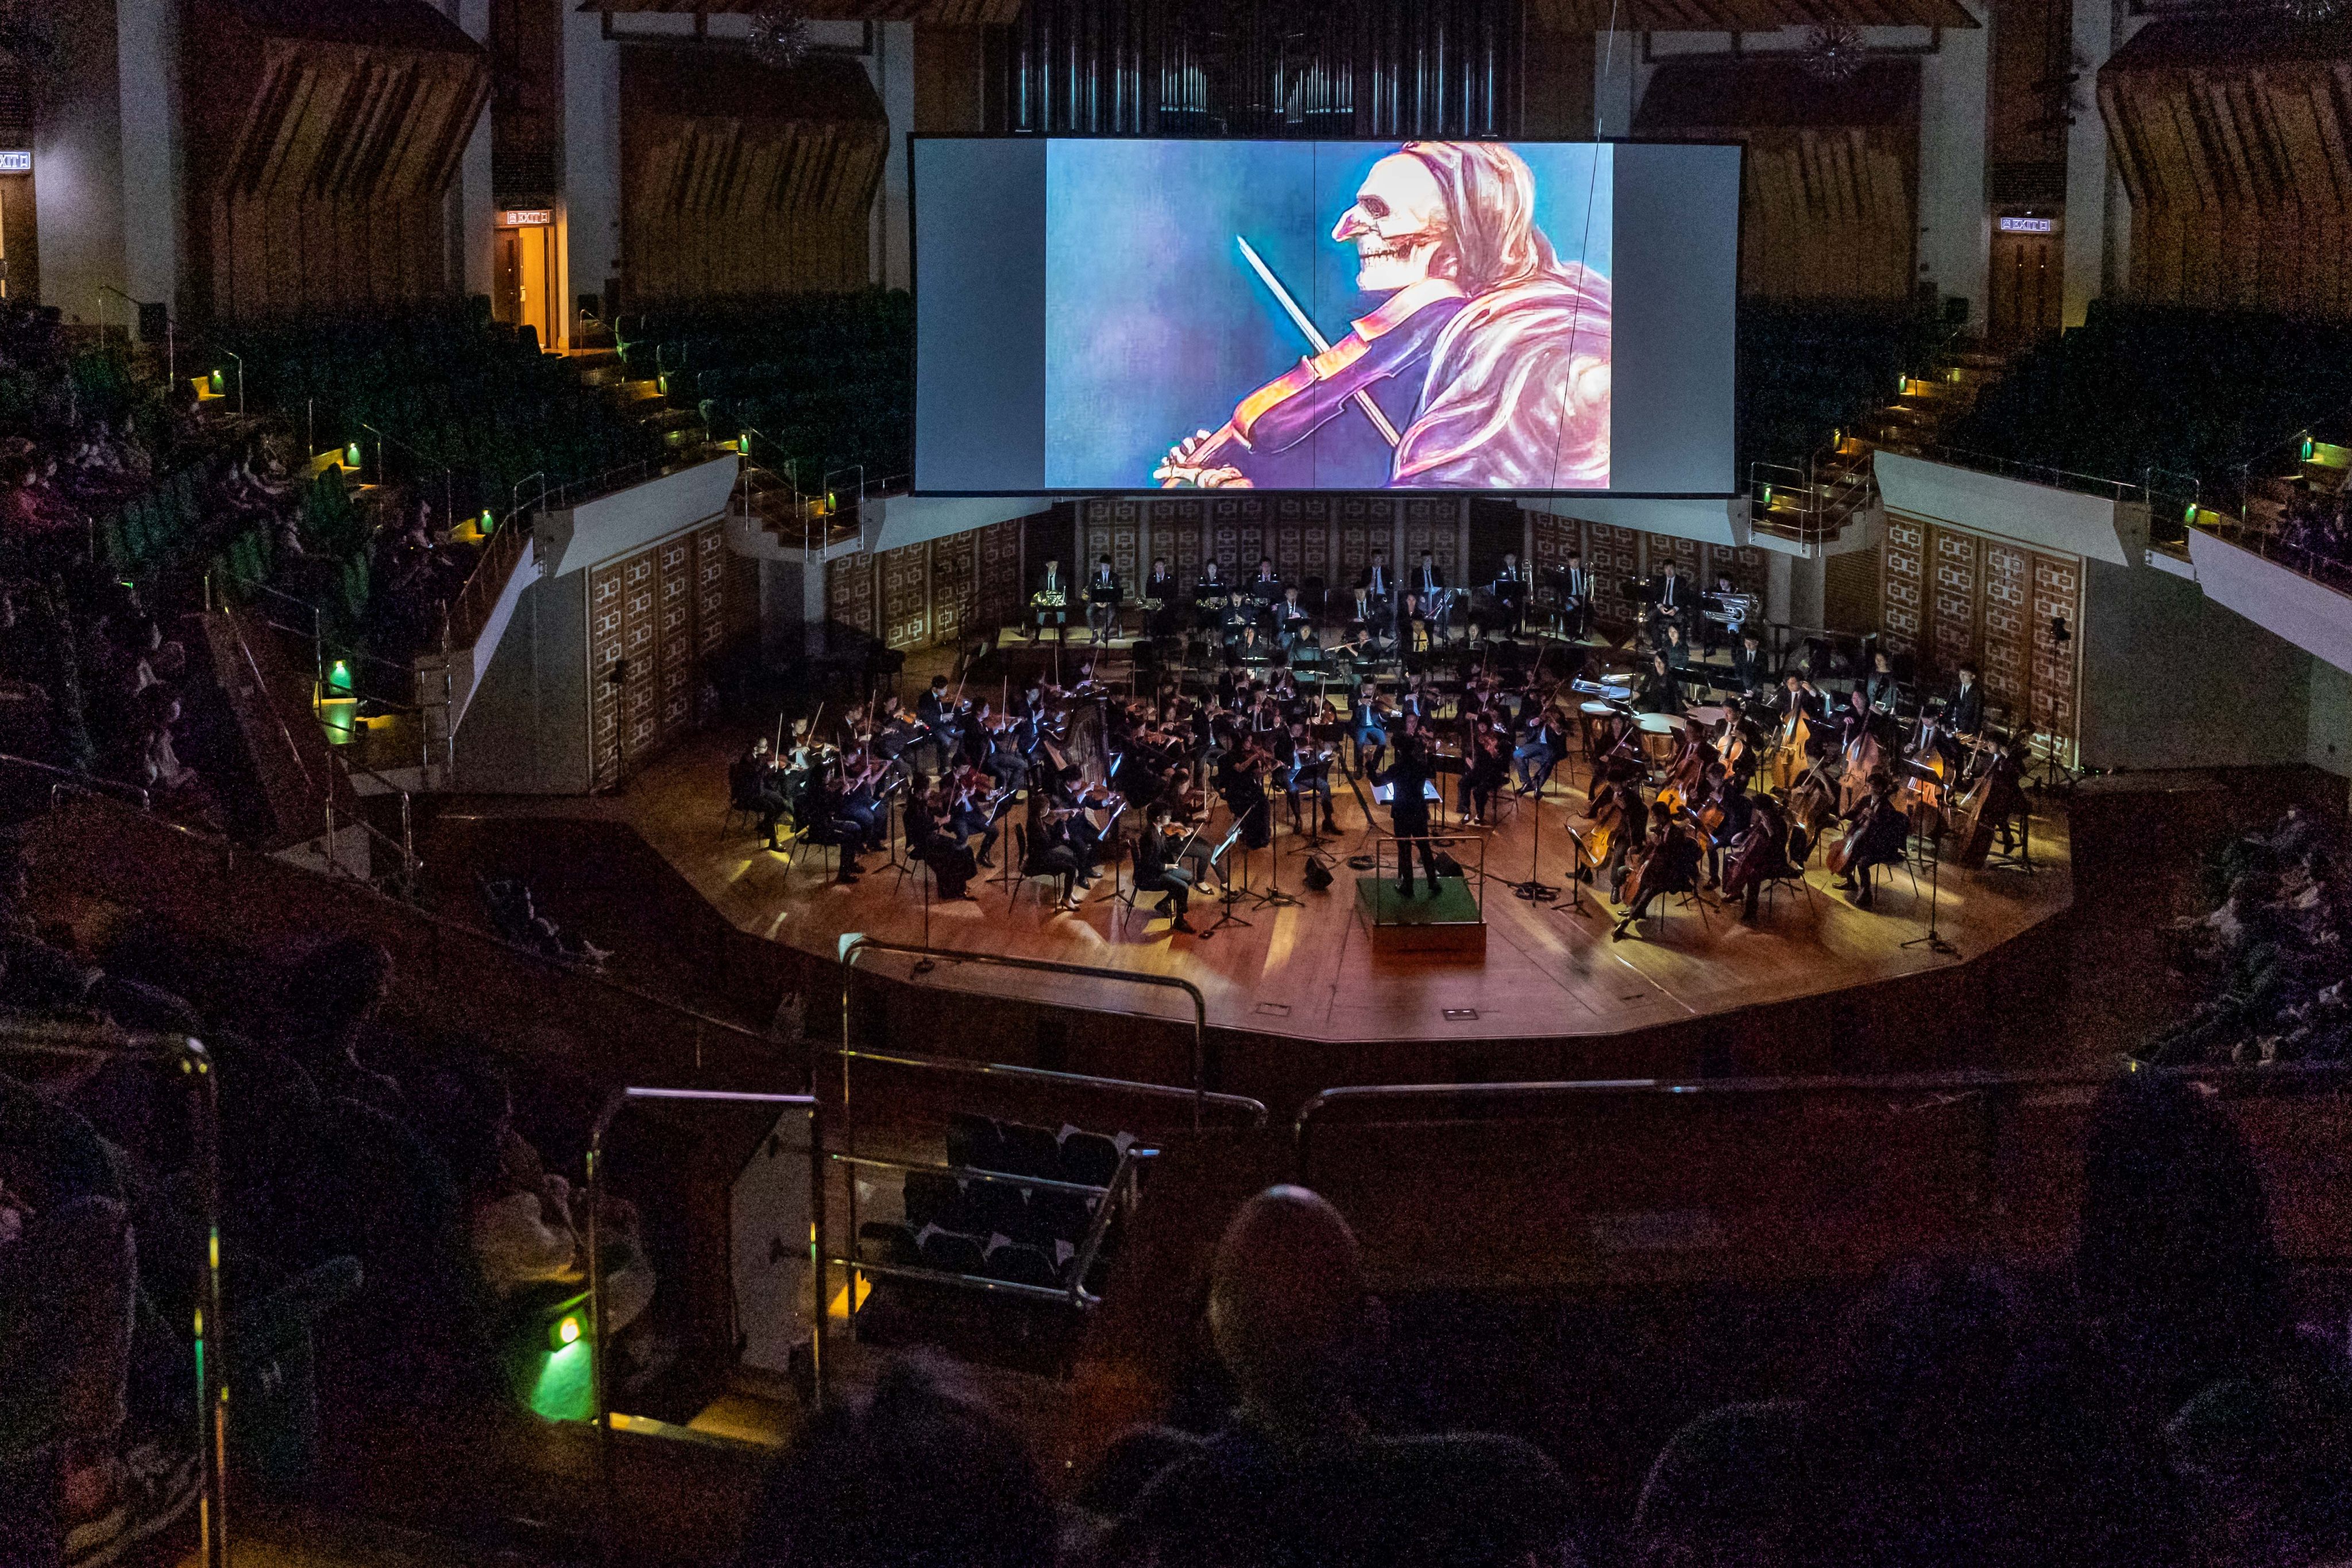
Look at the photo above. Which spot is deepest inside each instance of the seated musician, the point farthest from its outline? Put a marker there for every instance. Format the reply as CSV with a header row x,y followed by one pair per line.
x,y
1576,604
1415,632
1483,780
1750,669
1729,613
1052,851
1881,832
1669,865
1510,591
822,813
1239,781
1965,713
1238,613
1246,651
928,840
1662,690
935,710
1051,601
1674,598
1104,592
1368,725
1761,854
1719,789
1539,750
1377,587
753,784
1675,650
1426,580
970,813
1881,689
1155,873
1005,763
1290,618
1266,583
1306,771
1161,589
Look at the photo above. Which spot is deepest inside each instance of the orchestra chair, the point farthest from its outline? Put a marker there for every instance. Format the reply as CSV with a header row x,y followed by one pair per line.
x,y
1123,890
1028,878
798,840
1888,867
1775,886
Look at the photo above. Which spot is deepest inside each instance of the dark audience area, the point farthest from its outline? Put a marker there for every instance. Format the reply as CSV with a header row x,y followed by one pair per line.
x,y
2269,960
2172,1396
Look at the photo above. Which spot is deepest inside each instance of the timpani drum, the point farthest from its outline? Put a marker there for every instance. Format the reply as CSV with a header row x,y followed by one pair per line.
x,y
1707,714
1662,736
1589,718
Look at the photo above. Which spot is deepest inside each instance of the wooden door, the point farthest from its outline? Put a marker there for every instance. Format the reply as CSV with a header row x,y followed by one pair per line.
x,y
506,277
2028,286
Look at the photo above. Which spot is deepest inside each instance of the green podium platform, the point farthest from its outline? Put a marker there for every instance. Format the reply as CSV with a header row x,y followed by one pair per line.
x,y
1450,922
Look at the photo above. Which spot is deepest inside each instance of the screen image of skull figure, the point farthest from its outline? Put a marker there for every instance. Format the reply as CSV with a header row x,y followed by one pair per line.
x,y
1482,361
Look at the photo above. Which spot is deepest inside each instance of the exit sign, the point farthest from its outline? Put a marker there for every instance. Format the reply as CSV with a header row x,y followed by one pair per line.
x,y
526,218
2029,226
16,163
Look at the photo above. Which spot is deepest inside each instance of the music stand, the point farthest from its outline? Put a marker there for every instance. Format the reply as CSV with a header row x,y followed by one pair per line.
x,y
1579,856
1535,889
1230,895
1273,898
1933,940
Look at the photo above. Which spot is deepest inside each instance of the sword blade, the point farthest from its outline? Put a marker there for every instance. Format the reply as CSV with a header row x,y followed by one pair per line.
x,y
1314,336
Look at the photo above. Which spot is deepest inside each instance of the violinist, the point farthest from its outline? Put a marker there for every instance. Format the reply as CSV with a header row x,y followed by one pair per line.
x,y
1305,770
946,854
1539,752
753,784
971,809
1052,852
1370,729
1670,862
1240,780
820,813
1155,873
1103,594
1004,762
1483,779
1879,833
936,710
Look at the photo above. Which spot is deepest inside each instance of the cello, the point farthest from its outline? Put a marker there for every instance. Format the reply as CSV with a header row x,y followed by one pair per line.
x,y
1788,757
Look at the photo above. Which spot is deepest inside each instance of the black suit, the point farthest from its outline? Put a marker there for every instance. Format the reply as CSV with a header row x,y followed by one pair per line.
x,y
1409,814
1965,714
1104,592
1750,668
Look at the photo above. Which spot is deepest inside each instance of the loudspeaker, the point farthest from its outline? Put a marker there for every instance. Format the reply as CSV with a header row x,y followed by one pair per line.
x,y
1317,875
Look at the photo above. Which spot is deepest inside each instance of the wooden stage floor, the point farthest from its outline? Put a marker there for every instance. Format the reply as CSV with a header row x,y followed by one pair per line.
x,y
1309,972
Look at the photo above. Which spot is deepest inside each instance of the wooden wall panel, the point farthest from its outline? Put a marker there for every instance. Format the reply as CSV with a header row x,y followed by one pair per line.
x,y
1613,555
319,158
955,586
1117,528
1002,575
1435,524
675,660
742,181
2234,142
849,592
905,575
1950,595
1902,576
640,633
604,649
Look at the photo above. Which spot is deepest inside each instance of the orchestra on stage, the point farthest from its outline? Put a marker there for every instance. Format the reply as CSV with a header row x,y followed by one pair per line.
x,y
1698,751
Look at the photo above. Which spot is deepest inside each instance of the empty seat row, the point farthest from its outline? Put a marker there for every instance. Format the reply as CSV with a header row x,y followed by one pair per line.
x,y
979,1207
1016,1148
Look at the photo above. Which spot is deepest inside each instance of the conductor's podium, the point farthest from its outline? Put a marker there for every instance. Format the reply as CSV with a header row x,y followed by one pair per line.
x,y
1452,922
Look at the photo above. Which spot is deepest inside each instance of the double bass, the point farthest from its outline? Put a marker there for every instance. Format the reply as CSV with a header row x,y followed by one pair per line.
x,y
1788,757
1991,800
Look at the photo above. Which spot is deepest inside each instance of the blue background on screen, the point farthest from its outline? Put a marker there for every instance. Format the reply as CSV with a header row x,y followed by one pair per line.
x,y
1154,325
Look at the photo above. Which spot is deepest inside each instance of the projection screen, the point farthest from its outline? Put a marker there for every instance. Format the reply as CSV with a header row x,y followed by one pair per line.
x,y
1102,315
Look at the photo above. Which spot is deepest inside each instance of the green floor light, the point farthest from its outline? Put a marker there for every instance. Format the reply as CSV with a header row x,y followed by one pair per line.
x,y
351,456
220,384
567,1330
339,676
487,522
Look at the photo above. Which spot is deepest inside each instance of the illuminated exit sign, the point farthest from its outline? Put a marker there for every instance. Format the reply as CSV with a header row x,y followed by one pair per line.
x,y
16,163
2029,226
526,218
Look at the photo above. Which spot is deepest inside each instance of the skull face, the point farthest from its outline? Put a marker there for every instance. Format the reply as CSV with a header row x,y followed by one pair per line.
x,y
1398,224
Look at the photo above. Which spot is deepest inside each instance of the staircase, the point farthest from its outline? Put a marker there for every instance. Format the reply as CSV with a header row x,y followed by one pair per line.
x,y
598,360
1810,506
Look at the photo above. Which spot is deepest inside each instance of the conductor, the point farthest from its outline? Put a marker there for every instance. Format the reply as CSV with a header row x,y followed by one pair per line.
x,y
1407,773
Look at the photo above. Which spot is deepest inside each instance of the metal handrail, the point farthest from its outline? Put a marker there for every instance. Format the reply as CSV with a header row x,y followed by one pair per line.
x,y
73,778
1255,1110
615,1103
852,946
476,935
93,1043
1962,1081
467,612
